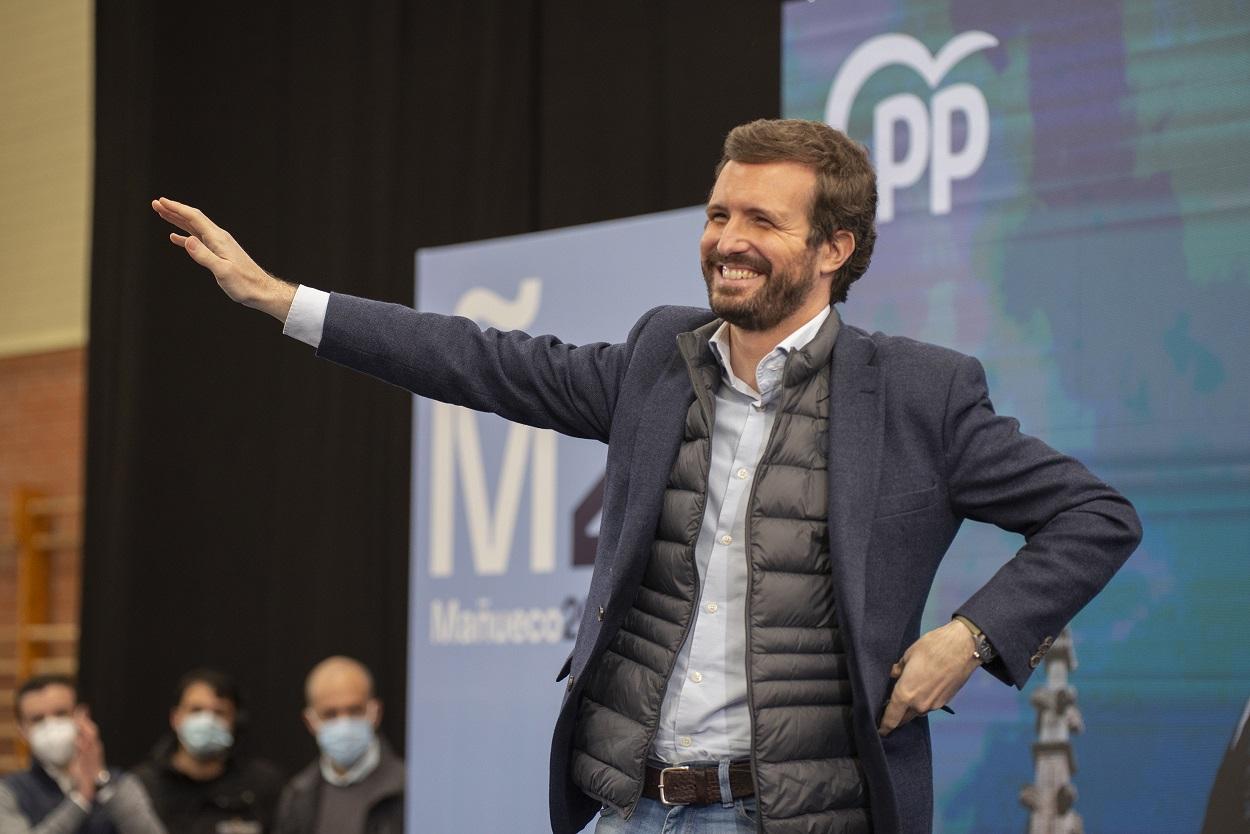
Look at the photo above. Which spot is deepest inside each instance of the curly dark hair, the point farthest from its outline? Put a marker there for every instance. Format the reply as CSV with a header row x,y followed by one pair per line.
x,y
846,184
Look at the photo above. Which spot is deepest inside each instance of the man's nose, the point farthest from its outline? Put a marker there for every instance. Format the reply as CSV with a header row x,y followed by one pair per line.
x,y
733,238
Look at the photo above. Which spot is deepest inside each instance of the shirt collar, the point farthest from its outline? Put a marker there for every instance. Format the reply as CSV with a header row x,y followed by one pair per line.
x,y
356,773
768,371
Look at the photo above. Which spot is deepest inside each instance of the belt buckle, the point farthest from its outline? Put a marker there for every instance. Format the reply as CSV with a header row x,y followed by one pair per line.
x,y
663,797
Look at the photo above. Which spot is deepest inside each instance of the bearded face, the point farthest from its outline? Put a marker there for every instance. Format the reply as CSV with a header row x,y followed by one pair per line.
x,y
758,262
753,293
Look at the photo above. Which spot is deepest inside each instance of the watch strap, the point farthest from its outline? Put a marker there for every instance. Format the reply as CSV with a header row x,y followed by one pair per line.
x,y
984,650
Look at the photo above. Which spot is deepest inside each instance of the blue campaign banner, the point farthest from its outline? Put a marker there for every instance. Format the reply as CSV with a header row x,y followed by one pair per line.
x,y
1065,193
505,517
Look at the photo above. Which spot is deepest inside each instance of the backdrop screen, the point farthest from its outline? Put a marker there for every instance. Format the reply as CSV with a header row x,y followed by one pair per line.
x,y
1065,193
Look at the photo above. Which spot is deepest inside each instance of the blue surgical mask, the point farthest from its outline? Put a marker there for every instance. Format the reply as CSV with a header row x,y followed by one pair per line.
x,y
204,735
345,740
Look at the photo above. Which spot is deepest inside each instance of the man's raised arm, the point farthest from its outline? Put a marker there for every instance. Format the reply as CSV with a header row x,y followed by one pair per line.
x,y
539,381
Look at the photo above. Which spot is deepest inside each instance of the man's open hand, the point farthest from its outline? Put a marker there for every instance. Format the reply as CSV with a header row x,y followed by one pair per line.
x,y
213,248
88,761
929,674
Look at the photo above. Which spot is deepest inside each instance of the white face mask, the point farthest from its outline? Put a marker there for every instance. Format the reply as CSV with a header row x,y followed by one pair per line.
x,y
52,741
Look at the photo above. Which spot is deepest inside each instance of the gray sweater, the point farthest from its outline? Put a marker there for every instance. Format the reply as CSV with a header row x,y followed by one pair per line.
x,y
375,805
126,806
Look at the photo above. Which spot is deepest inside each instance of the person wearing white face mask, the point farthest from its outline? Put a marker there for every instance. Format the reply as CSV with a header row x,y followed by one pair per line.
x,y
68,788
196,782
356,785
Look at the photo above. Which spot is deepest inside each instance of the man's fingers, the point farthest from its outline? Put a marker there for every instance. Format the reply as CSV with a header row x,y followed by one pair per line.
x,y
201,254
187,218
170,216
178,240
84,722
896,670
895,715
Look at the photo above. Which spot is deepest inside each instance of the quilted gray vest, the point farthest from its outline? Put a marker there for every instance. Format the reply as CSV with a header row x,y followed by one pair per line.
x,y
808,778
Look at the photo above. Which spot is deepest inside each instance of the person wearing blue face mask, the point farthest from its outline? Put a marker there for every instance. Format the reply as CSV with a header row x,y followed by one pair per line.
x,y
197,783
356,785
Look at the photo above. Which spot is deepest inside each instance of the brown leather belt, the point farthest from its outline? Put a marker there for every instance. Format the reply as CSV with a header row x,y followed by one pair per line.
x,y
697,785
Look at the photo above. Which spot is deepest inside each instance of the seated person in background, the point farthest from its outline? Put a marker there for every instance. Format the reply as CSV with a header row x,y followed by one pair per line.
x,y
68,789
356,786
197,784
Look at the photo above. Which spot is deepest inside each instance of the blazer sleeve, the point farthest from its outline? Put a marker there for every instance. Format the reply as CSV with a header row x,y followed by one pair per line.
x,y
536,380
1078,531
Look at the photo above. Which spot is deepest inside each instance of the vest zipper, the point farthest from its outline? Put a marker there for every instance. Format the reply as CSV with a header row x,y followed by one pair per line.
x,y
759,473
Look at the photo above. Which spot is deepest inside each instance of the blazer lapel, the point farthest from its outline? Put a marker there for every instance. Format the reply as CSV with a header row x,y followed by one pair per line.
x,y
856,419
656,440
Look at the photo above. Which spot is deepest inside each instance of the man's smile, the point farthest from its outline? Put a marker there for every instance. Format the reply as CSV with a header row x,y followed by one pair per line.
x,y
738,273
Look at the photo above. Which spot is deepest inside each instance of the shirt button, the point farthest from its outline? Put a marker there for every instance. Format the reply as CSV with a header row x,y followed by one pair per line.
x,y
712,608
726,539
685,741
742,473
696,677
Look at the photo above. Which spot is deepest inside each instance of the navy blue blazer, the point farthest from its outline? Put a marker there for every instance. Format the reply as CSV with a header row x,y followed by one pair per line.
x,y
914,448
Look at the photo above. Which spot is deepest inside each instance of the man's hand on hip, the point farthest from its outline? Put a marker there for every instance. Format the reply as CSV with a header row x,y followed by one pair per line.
x,y
213,248
929,674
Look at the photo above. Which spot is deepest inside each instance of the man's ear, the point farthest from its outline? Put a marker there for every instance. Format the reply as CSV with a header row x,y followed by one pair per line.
x,y
306,715
173,719
377,712
836,251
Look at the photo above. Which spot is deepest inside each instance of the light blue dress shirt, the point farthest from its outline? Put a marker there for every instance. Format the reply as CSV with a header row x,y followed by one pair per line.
x,y
705,716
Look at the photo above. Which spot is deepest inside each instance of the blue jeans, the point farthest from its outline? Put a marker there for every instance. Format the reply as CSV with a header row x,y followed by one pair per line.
x,y
654,817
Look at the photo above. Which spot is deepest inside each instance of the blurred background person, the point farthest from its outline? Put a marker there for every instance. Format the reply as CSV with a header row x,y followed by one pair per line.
x,y
196,782
68,788
356,785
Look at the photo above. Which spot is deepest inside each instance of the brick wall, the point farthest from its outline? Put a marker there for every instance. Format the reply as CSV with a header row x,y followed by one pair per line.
x,y
42,402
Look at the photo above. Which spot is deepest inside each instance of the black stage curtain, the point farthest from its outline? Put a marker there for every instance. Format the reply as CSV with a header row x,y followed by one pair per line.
x,y
247,504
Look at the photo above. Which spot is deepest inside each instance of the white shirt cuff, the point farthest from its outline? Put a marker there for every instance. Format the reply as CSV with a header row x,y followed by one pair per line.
x,y
307,316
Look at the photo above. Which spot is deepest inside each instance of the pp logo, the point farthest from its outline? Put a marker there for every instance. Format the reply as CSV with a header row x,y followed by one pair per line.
x,y
928,126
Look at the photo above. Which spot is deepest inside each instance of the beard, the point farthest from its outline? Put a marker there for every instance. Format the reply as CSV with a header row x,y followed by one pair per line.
x,y
780,293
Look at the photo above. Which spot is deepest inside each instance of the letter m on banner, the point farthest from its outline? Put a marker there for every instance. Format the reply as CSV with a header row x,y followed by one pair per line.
x,y
456,448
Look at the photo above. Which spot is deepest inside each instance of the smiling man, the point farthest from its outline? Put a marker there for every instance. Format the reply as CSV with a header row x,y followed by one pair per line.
x,y
780,490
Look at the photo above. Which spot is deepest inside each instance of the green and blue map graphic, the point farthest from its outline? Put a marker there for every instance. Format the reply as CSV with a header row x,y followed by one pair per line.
x,y
1069,200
